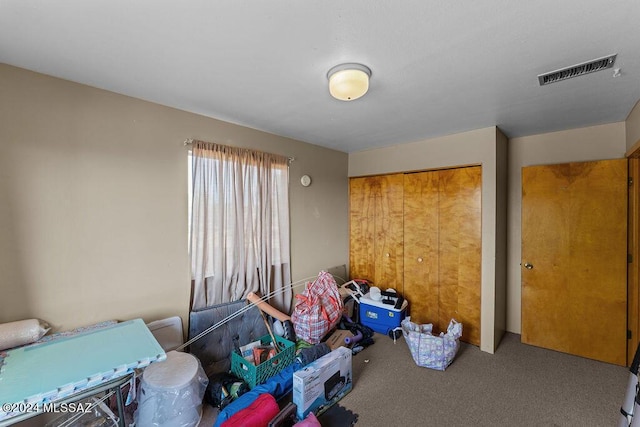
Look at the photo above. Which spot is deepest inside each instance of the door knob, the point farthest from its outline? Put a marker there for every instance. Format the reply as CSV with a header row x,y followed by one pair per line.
x,y
420,259
387,255
528,266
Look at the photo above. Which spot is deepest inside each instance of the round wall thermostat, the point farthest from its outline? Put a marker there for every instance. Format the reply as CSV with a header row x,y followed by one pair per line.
x,y
305,180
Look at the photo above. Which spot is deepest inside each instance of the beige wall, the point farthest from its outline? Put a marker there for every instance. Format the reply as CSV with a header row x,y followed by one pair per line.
x,y
577,145
632,125
475,147
93,202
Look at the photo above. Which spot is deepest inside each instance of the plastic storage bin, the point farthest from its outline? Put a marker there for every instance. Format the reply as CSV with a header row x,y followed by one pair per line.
x,y
171,392
379,316
254,375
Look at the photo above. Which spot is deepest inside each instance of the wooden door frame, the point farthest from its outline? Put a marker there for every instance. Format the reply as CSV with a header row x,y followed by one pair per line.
x,y
633,268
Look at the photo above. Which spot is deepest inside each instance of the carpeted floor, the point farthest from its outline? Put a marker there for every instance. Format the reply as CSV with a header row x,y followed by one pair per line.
x,y
518,385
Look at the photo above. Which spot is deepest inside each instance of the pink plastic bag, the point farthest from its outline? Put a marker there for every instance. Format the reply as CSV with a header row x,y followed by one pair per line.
x,y
318,309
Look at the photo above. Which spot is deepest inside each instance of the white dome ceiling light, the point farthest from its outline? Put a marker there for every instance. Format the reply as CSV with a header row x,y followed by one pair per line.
x,y
348,82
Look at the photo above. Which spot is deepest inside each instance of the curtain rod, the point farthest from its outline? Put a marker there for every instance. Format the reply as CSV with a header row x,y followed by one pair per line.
x,y
190,141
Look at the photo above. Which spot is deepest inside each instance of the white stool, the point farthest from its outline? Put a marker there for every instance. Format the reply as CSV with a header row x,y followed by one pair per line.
x,y
171,392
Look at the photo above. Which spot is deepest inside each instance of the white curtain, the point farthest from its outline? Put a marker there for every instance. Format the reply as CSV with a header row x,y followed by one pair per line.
x,y
239,225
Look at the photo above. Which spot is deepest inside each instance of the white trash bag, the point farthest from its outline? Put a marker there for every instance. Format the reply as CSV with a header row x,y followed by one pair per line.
x,y
428,350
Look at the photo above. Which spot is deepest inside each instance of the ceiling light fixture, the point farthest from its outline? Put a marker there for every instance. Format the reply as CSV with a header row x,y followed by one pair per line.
x,y
348,82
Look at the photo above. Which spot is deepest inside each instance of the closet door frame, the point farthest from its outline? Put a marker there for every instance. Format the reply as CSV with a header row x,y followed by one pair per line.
x,y
633,244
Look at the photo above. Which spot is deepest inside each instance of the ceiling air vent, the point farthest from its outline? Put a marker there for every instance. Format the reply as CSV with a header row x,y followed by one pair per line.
x,y
577,70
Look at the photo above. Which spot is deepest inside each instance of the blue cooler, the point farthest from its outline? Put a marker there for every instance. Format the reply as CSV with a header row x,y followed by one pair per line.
x,y
379,316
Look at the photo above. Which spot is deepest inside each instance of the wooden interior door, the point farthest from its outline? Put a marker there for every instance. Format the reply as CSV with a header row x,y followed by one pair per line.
x,y
421,275
460,255
574,258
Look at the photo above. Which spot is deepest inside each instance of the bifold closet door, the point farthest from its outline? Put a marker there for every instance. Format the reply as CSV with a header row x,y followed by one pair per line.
x,y
460,253
376,234
362,200
442,251
389,236
421,275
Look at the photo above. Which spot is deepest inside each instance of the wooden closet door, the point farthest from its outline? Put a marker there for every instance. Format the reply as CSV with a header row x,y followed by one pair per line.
x,y
442,229
389,232
574,258
362,201
420,234
459,249
421,276
376,233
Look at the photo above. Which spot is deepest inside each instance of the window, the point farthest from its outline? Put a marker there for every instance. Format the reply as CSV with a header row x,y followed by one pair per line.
x,y
239,225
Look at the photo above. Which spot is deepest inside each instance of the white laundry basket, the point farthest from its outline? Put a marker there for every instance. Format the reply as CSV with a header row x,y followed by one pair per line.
x,y
171,392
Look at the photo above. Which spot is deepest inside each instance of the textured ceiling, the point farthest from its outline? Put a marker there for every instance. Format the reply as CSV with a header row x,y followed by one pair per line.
x,y
438,67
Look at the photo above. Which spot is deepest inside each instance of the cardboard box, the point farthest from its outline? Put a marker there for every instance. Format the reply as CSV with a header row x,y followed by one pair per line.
x,y
379,316
322,383
336,339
